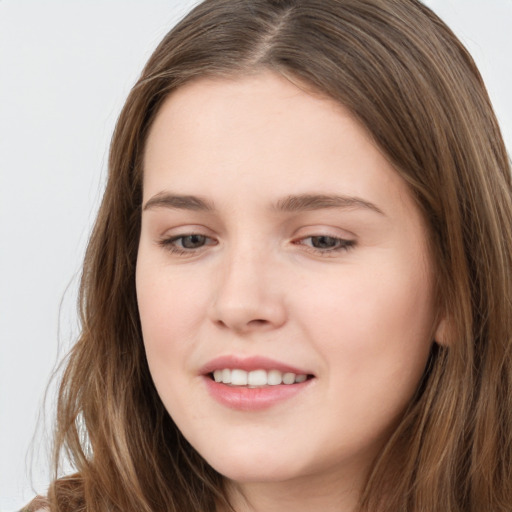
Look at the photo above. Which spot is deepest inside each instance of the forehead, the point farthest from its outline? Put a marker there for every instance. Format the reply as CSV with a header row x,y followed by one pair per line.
x,y
266,134
244,102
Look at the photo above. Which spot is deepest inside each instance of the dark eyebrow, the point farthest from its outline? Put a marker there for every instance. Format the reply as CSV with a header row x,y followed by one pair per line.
x,y
305,202
179,202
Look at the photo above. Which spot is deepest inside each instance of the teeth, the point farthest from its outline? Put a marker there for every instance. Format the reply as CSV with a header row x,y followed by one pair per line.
x,y
256,378
226,376
238,377
288,378
274,377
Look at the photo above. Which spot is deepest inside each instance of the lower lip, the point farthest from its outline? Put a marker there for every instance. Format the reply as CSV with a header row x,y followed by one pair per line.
x,y
253,399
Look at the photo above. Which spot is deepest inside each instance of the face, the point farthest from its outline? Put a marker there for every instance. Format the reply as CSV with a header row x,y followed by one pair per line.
x,y
283,280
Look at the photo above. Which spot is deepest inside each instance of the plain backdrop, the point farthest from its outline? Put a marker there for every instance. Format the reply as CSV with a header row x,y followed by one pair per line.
x,y
65,70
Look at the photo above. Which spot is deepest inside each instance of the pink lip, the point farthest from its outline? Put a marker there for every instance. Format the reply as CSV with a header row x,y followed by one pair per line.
x,y
249,364
251,399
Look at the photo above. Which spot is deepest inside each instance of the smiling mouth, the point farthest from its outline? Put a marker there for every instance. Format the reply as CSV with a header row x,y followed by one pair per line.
x,y
257,378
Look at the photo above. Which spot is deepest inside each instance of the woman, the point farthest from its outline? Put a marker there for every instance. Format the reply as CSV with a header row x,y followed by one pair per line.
x,y
297,292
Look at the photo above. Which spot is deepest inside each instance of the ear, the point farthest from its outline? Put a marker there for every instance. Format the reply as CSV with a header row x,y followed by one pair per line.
x,y
441,334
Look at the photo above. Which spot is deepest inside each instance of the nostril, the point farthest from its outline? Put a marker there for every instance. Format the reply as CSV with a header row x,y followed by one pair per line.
x,y
241,326
258,322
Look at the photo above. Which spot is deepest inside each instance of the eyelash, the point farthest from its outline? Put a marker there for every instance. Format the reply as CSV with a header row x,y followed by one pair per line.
x,y
170,244
342,244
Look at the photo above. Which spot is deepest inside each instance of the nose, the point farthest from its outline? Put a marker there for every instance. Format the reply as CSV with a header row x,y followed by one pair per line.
x,y
248,294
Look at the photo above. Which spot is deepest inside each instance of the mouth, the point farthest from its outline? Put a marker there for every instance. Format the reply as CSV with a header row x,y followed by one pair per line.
x,y
254,383
259,378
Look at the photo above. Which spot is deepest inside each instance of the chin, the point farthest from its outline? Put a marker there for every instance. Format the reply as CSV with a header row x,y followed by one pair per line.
x,y
246,469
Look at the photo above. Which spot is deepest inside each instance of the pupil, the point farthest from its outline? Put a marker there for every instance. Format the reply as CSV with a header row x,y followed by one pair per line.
x,y
193,241
323,242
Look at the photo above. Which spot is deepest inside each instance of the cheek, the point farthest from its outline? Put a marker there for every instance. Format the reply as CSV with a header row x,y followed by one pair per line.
x,y
374,326
170,308
169,300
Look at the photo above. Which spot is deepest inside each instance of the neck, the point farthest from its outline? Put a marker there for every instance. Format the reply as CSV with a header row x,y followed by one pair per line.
x,y
300,495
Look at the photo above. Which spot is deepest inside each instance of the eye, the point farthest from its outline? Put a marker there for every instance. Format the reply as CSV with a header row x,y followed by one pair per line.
x,y
326,243
186,244
191,241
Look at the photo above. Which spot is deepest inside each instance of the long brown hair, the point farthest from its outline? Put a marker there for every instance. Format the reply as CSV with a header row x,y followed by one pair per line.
x,y
415,88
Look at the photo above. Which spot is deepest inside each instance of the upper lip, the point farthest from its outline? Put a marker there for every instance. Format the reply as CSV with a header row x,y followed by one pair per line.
x,y
249,364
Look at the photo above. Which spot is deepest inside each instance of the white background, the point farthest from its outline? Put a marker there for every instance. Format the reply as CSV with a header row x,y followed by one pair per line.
x,y
65,69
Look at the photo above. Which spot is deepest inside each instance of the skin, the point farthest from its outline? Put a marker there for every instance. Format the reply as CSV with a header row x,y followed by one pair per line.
x,y
358,316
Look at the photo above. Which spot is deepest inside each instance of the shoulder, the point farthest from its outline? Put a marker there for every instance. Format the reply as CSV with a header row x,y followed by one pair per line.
x,y
67,491
38,504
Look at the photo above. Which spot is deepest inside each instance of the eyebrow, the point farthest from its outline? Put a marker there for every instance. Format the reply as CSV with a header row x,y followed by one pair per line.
x,y
288,204
179,202
306,202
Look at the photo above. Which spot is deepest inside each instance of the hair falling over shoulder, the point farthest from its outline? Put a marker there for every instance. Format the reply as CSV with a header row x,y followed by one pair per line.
x,y
410,82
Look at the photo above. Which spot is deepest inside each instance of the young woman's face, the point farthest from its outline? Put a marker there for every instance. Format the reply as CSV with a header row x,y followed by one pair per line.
x,y
278,244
